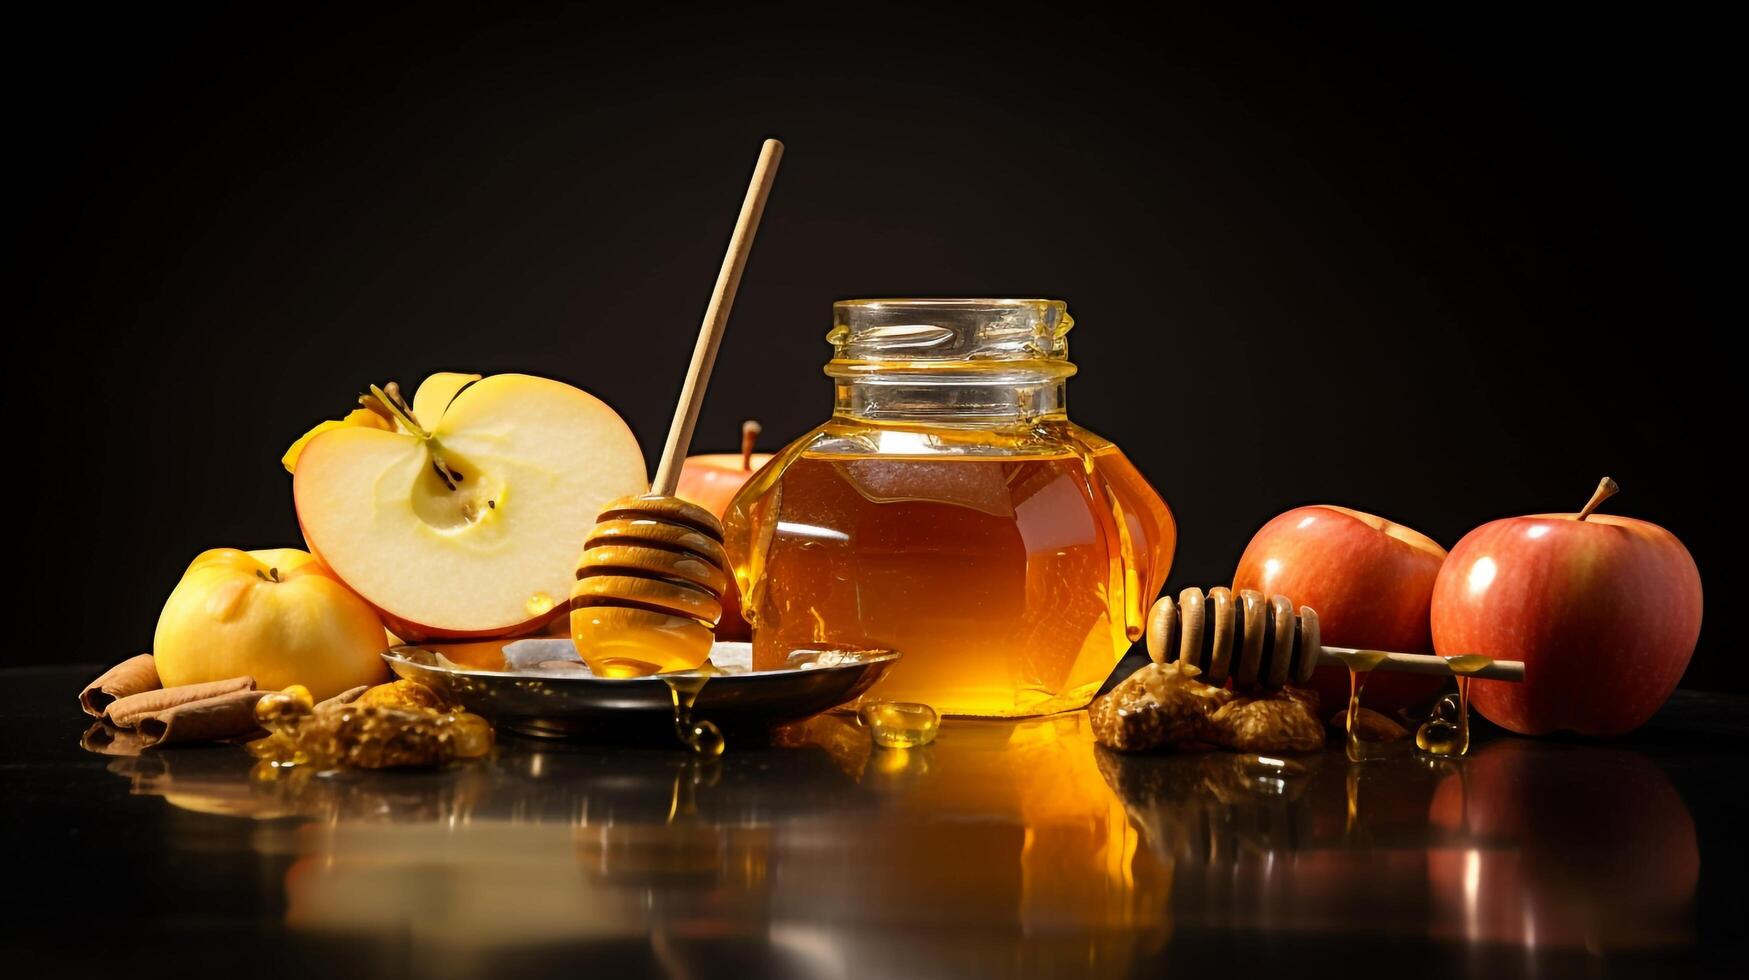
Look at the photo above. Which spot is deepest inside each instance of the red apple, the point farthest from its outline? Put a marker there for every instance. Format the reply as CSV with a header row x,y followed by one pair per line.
x,y
711,481
1603,610
1369,579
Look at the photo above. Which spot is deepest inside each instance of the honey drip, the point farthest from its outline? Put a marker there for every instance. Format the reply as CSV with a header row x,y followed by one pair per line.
x,y
899,724
1360,664
702,737
1447,732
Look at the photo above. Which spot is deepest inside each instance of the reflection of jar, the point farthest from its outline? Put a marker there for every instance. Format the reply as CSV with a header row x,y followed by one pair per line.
x,y
950,510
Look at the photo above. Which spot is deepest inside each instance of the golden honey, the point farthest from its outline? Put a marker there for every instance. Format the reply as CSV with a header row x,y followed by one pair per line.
x,y
702,737
1360,664
899,724
949,510
1447,732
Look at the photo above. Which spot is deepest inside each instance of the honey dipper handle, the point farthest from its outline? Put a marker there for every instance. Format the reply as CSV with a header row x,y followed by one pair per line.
x,y
1423,663
716,316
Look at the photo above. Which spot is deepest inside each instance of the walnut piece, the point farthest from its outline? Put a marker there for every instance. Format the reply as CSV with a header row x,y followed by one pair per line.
x,y
365,736
1285,720
1158,705
1165,705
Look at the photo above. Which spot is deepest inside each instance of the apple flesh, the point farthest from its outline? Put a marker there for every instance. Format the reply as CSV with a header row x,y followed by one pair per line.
x,y
468,524
1371,582
1603,610
277,616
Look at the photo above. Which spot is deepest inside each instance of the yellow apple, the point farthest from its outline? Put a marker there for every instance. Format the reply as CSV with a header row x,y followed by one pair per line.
x,y
466,521
277,616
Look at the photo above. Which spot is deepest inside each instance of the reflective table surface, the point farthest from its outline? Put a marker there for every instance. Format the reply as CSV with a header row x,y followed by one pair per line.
x,y
1004,849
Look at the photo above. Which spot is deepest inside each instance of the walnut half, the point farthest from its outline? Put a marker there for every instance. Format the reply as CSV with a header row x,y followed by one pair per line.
x,y
1165,705
1158,705
1285,720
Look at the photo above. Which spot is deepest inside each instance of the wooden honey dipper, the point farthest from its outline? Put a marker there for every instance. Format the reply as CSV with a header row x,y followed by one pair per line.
x,y
1259,641
650,582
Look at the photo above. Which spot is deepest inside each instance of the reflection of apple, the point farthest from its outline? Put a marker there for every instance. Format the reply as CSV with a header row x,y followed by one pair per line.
x,y
1603,610
467,520
711,481
1369,579
1591,849
277,616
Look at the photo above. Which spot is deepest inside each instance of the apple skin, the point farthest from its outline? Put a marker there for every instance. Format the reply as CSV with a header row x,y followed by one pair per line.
x,y
1604,612
1371,582
278,616
711,481
404,631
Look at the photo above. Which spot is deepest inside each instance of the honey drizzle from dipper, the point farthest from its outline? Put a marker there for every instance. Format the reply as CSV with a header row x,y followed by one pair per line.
x,y
702,737
1439,736
1360,664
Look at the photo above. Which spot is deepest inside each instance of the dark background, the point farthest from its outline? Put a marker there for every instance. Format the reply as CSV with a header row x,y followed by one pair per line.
x,y
1444,267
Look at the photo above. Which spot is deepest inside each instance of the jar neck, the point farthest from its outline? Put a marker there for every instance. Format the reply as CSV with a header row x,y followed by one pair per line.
x,y
977,394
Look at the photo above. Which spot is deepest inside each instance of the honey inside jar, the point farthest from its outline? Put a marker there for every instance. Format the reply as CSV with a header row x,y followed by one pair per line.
x,y
949,510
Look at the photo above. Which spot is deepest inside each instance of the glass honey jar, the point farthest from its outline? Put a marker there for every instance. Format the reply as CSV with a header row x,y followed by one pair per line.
x,y
950,510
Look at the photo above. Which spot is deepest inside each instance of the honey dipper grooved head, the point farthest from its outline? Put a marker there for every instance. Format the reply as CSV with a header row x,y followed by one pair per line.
x,y
1245,637
656,553
649,587
671,510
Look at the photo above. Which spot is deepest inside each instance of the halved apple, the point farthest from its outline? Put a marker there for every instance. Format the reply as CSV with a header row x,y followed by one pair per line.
x,y
358,416
468,524
436,392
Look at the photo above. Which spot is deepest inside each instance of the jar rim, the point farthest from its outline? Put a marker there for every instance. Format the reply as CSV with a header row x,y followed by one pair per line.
x,y
950,330
951,302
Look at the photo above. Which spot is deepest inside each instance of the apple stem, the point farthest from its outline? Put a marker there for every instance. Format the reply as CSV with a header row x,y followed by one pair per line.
x,y
391,399
405,417
750,430
1606,488
370,402
393,390
271,576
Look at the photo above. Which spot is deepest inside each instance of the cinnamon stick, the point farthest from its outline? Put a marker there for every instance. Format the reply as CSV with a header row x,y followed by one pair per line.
x,y
126,712
135,675
228,715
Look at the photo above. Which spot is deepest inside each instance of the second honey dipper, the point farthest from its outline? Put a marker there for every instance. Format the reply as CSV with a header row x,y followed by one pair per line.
x,y
651,579
1257,640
